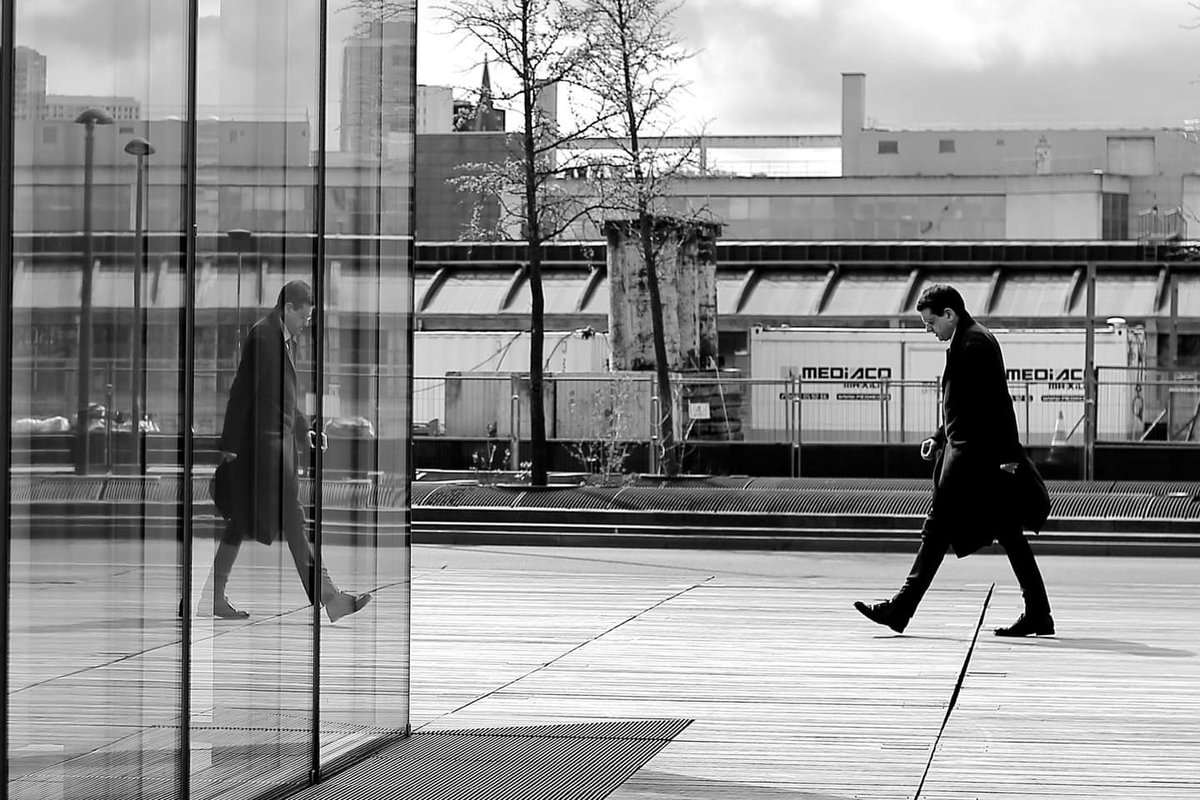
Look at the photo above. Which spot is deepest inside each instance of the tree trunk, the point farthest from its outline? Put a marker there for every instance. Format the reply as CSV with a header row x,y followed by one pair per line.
x,y
538,468
666,424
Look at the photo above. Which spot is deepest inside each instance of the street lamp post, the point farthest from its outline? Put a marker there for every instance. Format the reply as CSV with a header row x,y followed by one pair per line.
x,y
139,148
89,118
241,240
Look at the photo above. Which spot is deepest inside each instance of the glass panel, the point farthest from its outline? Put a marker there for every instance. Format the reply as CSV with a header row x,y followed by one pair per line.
x,y
95,647
471,293
972,286
868,295
368,300
785,293
1129,296
1032,295
561,292
253,587
729,290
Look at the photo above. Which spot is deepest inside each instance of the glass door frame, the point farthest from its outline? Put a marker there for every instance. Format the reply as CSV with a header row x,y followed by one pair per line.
x,y
317,278
7,169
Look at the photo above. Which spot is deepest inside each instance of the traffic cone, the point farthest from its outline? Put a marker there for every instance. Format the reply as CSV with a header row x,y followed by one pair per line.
x,y
1058,441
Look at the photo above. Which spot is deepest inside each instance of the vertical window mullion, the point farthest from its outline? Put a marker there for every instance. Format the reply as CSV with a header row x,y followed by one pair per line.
x,y
187,342
7,154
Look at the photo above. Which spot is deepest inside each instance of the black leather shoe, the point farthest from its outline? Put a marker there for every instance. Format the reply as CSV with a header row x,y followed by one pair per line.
x,y
346,603
1040,625
884,613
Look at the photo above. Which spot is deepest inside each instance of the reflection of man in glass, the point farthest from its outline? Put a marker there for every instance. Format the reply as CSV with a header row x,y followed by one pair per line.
x,y
263,429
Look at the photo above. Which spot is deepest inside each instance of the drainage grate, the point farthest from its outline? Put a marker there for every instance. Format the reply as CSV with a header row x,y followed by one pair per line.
x,y
168,490
67,490
583,497
1184,506
471,496
129,489
1161,488
585,761
22,488
1099,506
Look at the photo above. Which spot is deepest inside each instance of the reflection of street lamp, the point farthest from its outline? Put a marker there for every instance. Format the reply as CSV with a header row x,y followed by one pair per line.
x,y
89,118
138,148
241,239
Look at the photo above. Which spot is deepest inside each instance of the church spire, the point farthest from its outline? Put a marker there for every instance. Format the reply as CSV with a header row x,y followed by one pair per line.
x,y
485,112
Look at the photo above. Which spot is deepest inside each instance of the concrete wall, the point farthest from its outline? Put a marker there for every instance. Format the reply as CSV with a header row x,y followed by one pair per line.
x,y
442,211
1053,207
1156,180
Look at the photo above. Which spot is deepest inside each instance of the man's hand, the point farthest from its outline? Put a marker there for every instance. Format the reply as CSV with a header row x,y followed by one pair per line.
x,y
929,449
227,456
1010,467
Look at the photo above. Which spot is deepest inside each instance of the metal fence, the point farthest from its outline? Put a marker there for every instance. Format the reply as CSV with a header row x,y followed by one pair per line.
x,y
718,407
1132,404
1150,404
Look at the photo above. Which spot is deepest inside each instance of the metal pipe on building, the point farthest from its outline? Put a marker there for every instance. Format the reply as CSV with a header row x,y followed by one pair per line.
x,y
1089,378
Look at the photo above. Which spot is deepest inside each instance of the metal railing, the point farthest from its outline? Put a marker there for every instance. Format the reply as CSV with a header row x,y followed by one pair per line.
x,y
1154,225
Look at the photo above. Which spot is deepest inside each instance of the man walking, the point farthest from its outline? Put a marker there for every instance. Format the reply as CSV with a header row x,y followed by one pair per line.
x,y
985,487
263,429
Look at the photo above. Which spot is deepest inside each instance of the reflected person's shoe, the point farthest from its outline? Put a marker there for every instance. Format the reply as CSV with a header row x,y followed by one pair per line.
x,y
884,613
220,607
1026,625
346,603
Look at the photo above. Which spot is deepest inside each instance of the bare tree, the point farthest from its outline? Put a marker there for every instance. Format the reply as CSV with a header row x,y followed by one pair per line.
x,y
539,46
633,58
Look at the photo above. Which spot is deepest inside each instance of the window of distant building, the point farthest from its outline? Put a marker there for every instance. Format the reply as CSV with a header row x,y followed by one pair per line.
x,y
946,146
889,147
1114,216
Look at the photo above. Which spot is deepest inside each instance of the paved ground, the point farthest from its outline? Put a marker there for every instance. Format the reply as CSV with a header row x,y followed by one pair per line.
x,y
790,693
794,695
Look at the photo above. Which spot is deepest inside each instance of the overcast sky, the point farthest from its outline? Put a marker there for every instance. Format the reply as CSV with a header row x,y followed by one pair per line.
x,y
761,66
774,66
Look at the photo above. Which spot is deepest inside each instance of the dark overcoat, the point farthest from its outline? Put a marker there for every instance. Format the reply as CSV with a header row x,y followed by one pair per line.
x,y
974,500
264,427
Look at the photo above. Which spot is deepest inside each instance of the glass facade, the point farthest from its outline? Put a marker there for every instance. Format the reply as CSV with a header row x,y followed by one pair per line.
x,y
207,252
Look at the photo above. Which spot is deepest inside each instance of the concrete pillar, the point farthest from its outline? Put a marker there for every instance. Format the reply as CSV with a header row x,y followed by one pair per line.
x,y
686,272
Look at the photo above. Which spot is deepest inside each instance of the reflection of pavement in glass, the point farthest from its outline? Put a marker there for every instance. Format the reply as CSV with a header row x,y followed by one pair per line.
x,y
95,654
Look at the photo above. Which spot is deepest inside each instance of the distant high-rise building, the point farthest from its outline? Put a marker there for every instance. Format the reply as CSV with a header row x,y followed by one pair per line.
x,y
68,106
435,109
29,79
377,77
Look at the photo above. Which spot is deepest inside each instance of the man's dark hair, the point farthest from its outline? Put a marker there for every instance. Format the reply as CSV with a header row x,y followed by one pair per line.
x,y
937,297
298,293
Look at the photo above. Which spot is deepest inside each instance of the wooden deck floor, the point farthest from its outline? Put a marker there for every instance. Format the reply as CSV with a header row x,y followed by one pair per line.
x,y
790,692
796,696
